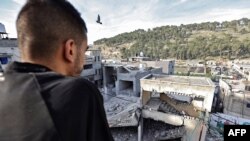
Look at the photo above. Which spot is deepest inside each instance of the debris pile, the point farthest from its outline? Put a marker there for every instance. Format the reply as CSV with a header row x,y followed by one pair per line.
x,y
214,135
157,130
122,111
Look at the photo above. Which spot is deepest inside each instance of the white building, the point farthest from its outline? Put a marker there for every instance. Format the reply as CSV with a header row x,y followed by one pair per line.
x,y
243,69
93,66
8,48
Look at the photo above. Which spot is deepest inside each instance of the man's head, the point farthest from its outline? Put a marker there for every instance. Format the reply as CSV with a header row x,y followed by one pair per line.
x,y
52,33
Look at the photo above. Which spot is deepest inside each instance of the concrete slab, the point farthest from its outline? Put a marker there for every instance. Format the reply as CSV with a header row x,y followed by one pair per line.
x,y
122,111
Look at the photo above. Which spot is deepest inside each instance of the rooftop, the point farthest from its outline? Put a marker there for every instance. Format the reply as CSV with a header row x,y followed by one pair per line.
x,y
5,55
243,65
128,67
8,42
112,65
203,81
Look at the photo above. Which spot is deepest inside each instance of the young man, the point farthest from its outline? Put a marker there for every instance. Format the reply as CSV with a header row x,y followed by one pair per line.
x,y
41,99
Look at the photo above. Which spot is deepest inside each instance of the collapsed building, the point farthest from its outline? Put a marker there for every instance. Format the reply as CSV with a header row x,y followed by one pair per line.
x,y
125,79
180,102
122,85
234,98
232,107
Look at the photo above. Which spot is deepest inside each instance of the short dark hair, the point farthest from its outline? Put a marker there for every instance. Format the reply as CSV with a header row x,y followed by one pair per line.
x,y
43,24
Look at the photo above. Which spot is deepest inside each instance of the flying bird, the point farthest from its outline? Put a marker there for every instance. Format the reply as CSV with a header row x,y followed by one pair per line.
x,y
98,19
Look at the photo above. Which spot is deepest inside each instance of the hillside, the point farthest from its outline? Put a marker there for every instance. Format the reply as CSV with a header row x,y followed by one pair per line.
x,y
192,41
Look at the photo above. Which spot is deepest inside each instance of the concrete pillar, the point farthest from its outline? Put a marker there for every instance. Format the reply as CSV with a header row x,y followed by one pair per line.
x,y
140,129
117,86
146,95
135,88
104,80
204,133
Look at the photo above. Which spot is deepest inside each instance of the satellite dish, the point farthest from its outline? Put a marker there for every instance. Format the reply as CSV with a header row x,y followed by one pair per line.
x,y
98,19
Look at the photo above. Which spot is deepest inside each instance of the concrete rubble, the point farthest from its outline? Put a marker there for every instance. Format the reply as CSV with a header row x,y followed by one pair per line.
x,y
122,111
157,130
124,133
214,135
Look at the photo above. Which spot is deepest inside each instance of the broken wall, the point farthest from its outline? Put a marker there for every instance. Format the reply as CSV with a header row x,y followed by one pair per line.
x,y
109,79
163,86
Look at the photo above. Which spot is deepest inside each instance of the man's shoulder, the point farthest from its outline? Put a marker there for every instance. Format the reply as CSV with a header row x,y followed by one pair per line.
x,y
79,83
62,84
83,87
51,77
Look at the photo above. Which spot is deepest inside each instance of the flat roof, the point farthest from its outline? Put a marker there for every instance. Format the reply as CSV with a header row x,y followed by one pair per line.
x,y
204,81
112,65
243,65
128,66
93,49
5,55
139,57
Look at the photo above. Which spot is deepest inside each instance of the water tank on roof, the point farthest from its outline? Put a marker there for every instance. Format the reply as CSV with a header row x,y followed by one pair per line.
x,y
142,67
2,28
141,54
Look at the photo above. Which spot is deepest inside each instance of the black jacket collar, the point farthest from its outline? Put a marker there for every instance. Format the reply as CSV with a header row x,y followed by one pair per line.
x,y
25,67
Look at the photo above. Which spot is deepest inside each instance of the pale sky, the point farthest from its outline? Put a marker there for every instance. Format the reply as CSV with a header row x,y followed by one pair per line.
x,y
120,16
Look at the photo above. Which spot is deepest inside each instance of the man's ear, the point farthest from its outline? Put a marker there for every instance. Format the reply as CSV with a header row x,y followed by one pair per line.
x,y
69,50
